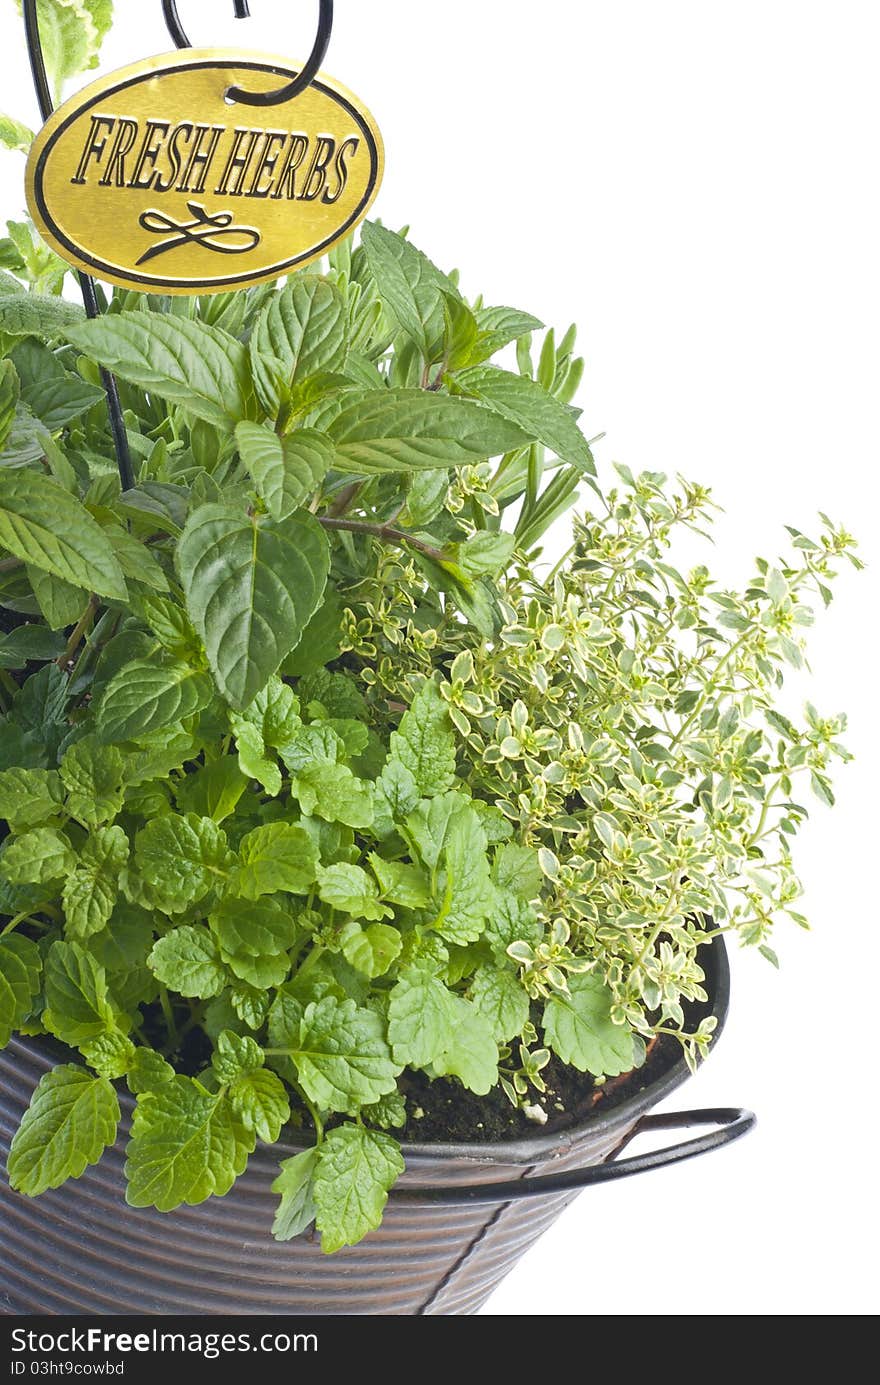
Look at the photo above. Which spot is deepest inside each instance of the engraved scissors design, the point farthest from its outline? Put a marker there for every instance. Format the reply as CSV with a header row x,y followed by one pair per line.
x,y
204,229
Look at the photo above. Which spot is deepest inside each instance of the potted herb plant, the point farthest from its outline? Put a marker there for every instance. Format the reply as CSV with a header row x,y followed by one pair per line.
x,y
349,851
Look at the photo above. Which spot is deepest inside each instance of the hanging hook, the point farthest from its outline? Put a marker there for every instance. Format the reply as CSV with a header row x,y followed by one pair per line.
x,y
263,98
86,285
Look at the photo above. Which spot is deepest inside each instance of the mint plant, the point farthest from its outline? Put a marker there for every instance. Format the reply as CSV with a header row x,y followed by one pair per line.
x,y
313,774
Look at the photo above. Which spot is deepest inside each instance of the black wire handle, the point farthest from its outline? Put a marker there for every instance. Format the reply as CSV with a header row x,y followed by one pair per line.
x,y
86,284
263,98
733,1122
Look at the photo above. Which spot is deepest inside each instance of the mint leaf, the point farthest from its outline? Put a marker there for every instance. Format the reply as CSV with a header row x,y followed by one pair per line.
x,y
277,857
511,920
111,1055
388,1113
516,868
235,1056
14,135
421,1018
148,1071
401,883
90,891
286,471
251,589
186,1145
429,824
71,1120
394,430
301,331
472,1053
147,696
499,998
371,950
424,742
259,1100
37,315
187,961
187,362
270,721
213,791
47,527
332,792
29,796
411,286
296,1210
60,603
93,777
497,327
351,890
77,1003
356,1169
579,1029
341,1058
20,969
183,857
38,858
467,894
528,405
254,939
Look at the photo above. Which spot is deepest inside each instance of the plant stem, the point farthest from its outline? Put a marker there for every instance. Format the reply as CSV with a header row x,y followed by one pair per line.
x,y
345,499
79,632
168,1013
386,533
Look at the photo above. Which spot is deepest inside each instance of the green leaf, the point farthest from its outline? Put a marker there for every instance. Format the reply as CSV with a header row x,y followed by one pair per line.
x,y
251,589
296,1211
259,1100
500,999
111,1055
351,890
60,603
277,857
38,858
302,330
14,135
334,793
356,1169
421,1018
466,891
389,1112
77,1004
286,471
578,1028
47,527
183,857
9,397
213,791
202,368
236,1055
20,969
148,1071
424,742
371,950
262,930
72,1118
186,1145
472,1054
401,883
342,1059
147,696
516,868
29,796
187,961
93,777
407,430
412,288
497,328
38,315
526,404
90,891
29,642
511,920
55,395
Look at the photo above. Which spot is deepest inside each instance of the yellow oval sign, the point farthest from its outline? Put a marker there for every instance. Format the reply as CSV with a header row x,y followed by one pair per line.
x,y
153,179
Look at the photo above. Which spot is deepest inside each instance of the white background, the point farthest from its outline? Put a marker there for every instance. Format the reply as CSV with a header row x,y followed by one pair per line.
x,y
696,185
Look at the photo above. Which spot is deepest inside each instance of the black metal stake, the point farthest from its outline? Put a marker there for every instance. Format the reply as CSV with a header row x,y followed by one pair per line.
x,y
86,284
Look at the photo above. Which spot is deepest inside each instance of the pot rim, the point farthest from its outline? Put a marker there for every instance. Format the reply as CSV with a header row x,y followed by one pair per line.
x,y
533,1148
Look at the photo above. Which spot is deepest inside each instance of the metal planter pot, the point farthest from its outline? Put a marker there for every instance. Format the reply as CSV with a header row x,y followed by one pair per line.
x,y
455,1226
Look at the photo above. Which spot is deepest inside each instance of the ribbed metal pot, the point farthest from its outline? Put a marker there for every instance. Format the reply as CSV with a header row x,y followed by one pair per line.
x,y
81,1249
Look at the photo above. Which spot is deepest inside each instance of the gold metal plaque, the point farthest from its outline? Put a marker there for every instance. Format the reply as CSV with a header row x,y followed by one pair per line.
x,y
153,179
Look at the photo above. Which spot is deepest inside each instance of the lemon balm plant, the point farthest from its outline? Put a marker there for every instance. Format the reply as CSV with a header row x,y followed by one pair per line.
x,y
323,791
